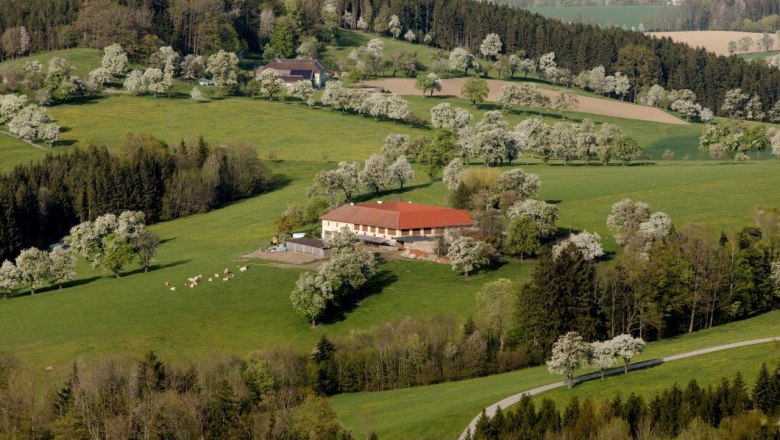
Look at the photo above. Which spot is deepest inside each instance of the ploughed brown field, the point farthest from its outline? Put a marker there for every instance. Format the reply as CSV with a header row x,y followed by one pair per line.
x,y
587,104
714,41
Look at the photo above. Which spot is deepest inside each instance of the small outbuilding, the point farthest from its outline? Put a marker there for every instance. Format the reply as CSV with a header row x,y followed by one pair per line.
x,y
298,69
309,246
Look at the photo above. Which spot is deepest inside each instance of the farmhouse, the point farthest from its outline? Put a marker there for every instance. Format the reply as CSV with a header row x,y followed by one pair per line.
x,y
384,221
292,70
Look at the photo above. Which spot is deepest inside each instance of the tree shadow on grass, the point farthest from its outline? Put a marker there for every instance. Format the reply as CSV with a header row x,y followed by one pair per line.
x,y
55,288
84,100
377,285
155,267
277,182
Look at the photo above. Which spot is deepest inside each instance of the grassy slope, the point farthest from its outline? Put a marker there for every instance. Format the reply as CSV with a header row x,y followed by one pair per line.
x,y
706,369
624,16
83,60
348,40
137,312
14,152
442,411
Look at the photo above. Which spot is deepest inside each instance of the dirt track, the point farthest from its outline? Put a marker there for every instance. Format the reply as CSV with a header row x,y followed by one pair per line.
x,y
596,106
713,41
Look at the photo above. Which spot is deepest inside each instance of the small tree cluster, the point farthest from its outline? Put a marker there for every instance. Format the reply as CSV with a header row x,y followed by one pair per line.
x,y
110,242
735,141
635,228
35,268
349,268
596,80
28,122
570,352
376,105
681,101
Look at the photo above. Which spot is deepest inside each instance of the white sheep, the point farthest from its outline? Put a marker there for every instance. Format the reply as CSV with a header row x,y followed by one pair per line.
x,y
243,268
173,288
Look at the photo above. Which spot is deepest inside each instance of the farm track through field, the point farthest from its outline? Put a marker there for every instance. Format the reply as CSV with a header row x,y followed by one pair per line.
x,y
513,399
587,104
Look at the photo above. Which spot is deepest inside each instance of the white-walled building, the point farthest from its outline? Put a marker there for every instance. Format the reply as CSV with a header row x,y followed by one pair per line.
x,y
388,220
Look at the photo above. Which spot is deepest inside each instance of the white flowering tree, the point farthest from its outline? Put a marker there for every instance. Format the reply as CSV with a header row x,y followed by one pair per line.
x,y
192,67
625,218
375,175
401,171
10,278
543,214
156,82
304,91
196,94
311,296
586,243
410,36
569,353
134,82
270,83
397,108
223,68
428,83
491,46
63,266
10,105
395,145
460,60
100,76
114,60
394,26
34,123
627,347
525,184
602,355
467,255
453,173
34,268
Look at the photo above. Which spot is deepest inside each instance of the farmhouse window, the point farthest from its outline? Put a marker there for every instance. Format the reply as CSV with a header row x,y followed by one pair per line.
x,y
392,231
427,231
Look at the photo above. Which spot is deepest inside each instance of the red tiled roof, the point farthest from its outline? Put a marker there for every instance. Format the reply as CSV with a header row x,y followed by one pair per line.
x,y
399,215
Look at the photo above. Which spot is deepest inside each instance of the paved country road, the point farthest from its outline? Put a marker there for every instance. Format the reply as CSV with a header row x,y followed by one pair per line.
x,y
511,400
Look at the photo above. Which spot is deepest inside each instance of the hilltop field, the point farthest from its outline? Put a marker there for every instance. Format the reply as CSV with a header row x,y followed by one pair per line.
x,y
96,314
714,41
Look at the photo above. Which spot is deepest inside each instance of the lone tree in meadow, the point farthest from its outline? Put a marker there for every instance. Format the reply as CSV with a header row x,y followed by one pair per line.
x,y
475,90
569,353
428,82
145,246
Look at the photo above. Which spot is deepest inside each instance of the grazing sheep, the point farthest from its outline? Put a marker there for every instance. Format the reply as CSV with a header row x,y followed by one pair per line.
x,y
173,288
216,275
243,268
210,280
227,271
225,279
167,284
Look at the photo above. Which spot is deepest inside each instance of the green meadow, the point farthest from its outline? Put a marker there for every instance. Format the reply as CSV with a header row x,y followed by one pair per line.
x,y
614,15
442,411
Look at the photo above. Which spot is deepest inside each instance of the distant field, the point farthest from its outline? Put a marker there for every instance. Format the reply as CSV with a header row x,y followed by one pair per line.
x,y
443,411
83,60
621,16
713,41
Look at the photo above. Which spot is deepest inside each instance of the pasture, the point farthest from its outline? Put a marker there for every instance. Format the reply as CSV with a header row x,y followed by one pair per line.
x,y
442,411
614,15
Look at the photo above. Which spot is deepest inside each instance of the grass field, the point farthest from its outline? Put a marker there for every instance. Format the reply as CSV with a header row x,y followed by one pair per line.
x,y
622,16
443,411
83,60
14,152
349,40
707,369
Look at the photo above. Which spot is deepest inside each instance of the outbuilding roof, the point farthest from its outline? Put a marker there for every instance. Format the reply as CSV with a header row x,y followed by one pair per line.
x,y
399,215
312,242
295,69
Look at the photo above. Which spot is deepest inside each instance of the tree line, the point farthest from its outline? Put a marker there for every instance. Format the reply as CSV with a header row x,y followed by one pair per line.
x,y
729,409
205,27
41,201
257,395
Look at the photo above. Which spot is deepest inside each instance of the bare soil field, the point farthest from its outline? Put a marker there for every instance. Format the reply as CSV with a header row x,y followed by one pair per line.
x,y
588,104
713,41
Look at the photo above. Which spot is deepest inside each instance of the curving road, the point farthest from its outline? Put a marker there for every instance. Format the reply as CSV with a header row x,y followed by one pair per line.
x,y
511,400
